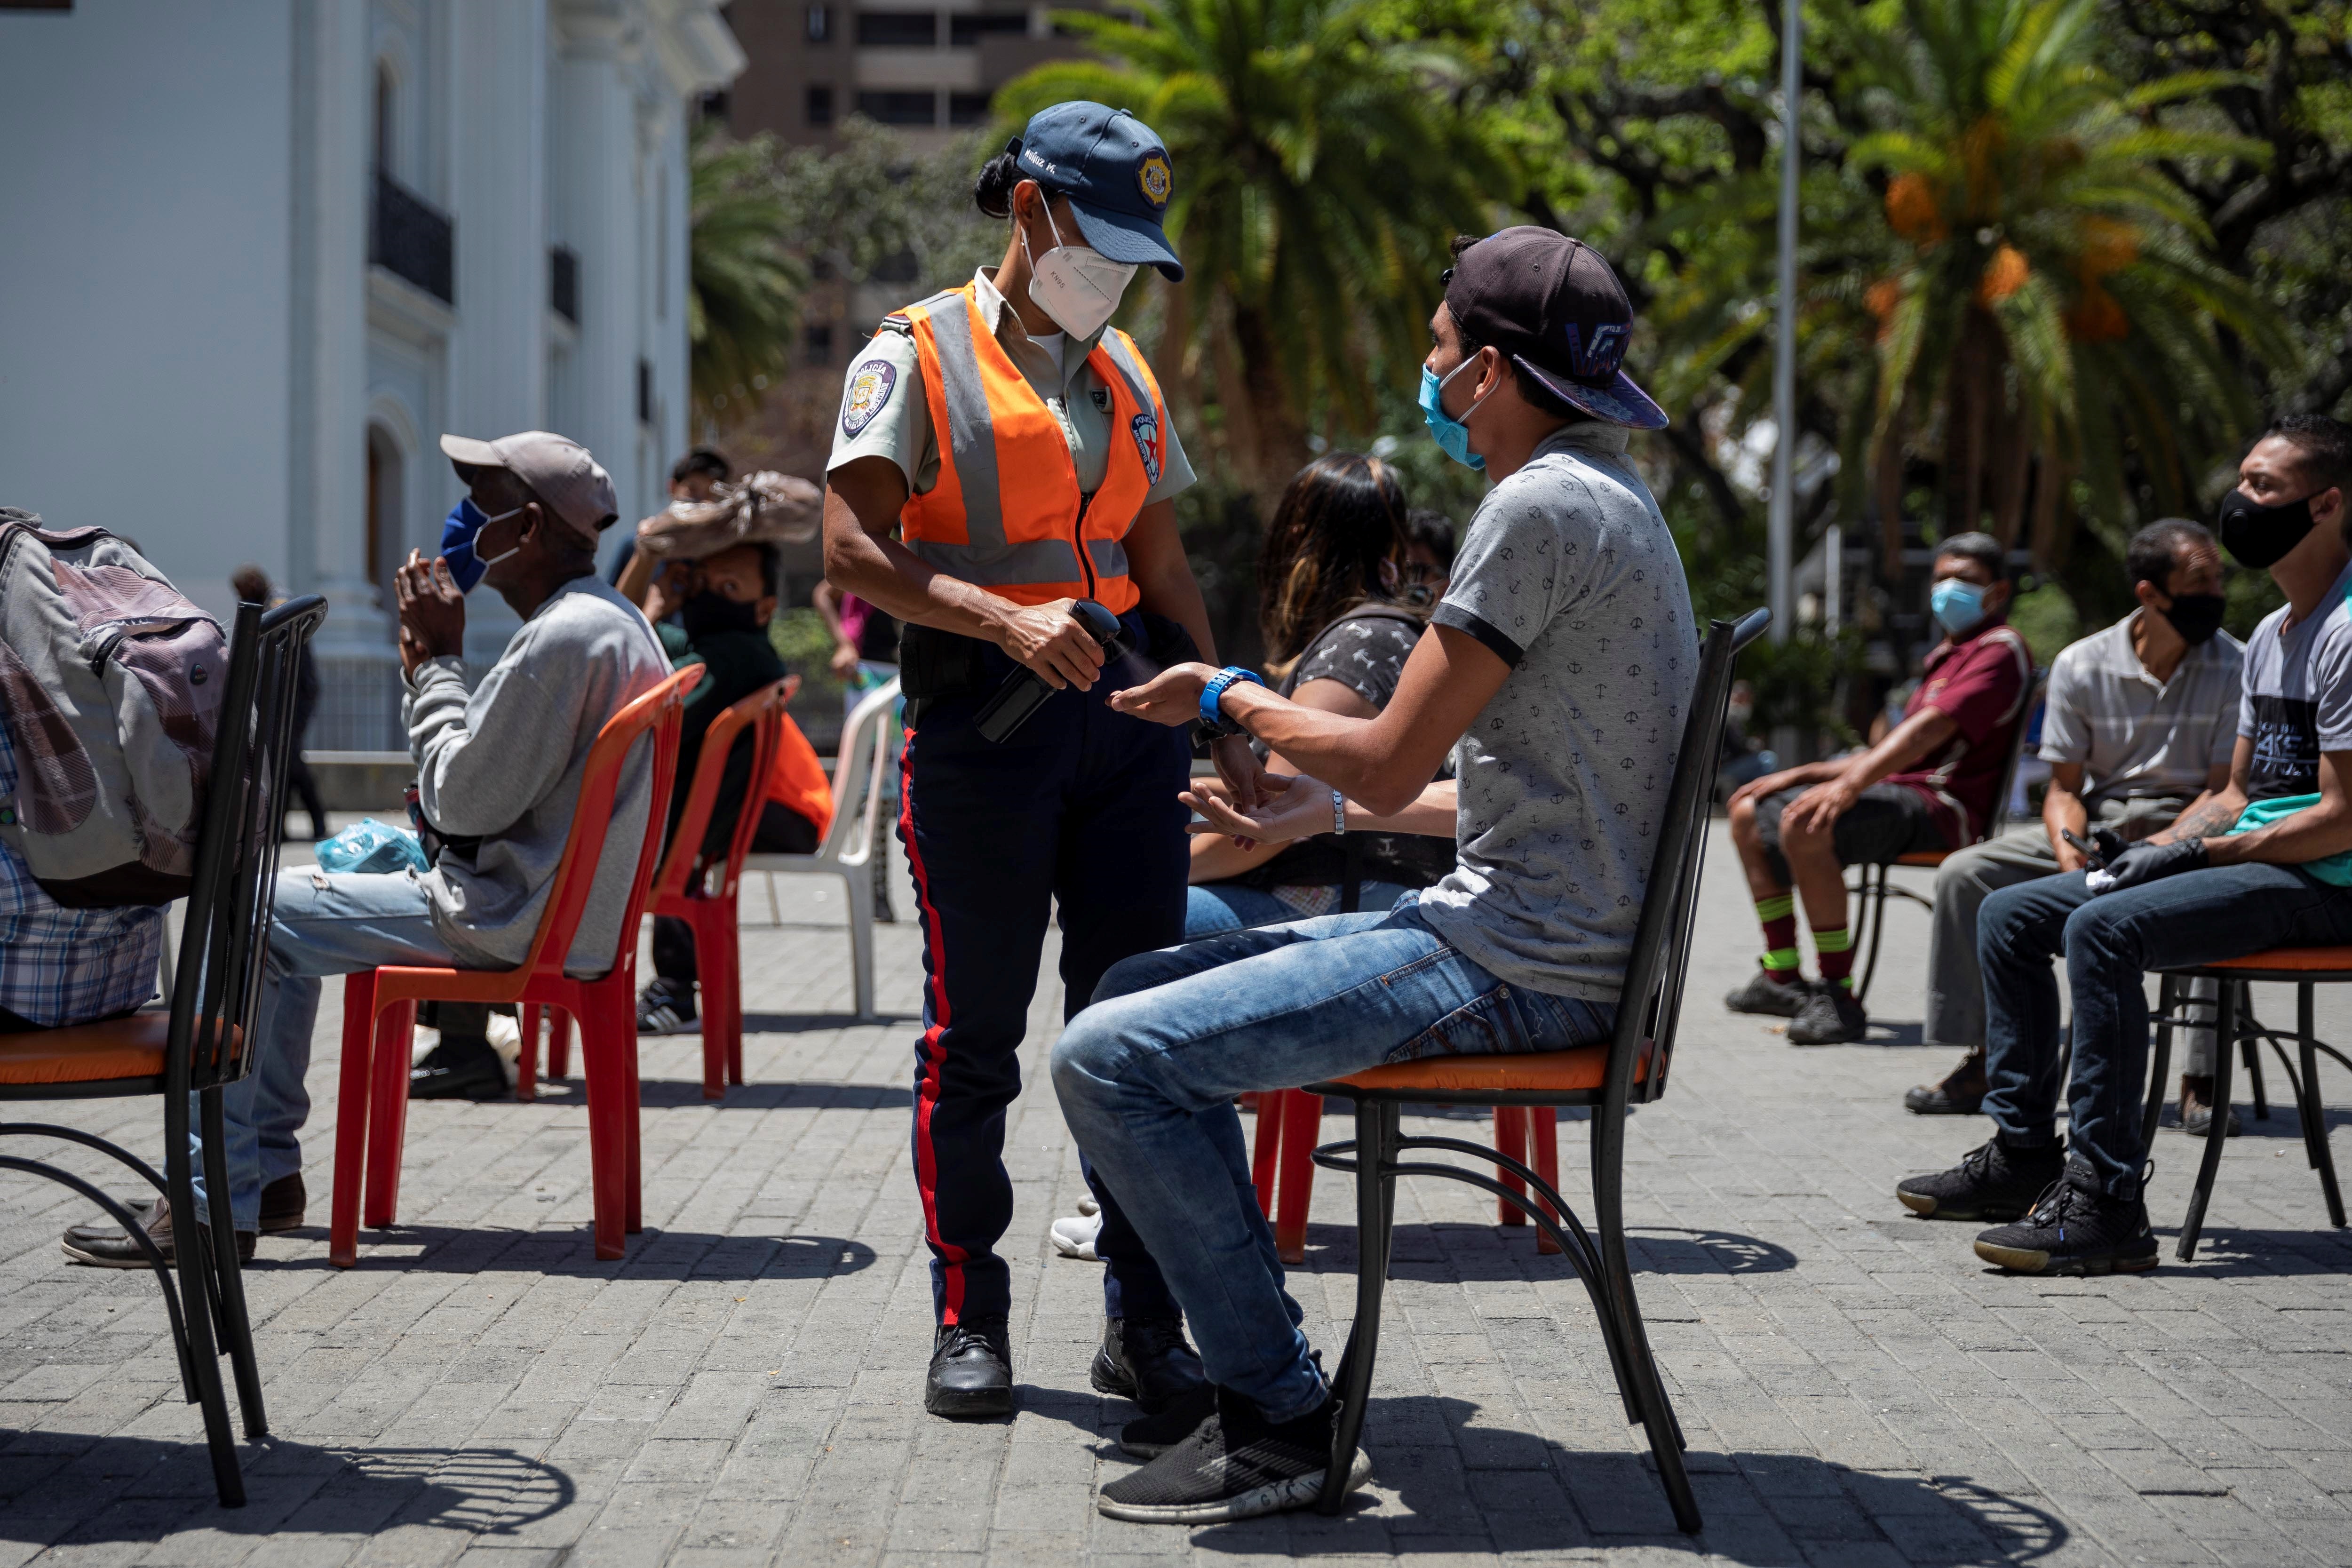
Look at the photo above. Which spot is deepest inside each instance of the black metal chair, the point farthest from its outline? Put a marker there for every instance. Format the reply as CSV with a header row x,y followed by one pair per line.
x,y
202,1044
1631,1070
2234,1024
1874,886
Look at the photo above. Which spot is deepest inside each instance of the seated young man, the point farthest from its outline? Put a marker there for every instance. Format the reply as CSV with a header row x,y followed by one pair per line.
x,y
498,770
2140,723
1930,784
2267,863
723,604
1562,659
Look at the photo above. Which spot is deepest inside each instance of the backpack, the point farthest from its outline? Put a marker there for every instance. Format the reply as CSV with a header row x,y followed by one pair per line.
x,y
110,686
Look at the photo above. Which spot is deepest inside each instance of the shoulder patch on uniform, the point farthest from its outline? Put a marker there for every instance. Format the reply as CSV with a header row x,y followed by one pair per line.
x,y
870,386
1145,427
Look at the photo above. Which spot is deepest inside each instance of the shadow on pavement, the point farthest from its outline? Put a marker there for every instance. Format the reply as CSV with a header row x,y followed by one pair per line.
x,y
1448,1254
654,1254
2227,1252
69,1490
670,1093
808,1022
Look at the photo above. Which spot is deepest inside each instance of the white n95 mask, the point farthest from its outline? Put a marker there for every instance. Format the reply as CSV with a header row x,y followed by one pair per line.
x,y
1078,288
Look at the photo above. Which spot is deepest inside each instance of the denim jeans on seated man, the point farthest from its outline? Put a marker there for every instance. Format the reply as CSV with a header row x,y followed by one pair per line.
x,y
2110,941
1148,1074
1213,909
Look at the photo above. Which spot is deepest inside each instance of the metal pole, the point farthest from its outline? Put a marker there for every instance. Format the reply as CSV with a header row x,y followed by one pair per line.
x,y
1833,600
1780,521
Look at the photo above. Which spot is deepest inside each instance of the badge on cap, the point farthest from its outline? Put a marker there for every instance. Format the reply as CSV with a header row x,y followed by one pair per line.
x,y
1156,179
869,389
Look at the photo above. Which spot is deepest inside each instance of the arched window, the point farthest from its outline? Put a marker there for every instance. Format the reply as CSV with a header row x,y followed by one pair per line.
x,y
387,100
384,528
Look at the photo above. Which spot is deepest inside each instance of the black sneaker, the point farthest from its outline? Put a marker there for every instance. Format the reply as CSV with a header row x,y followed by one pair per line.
x,y
458,1068
1146,1360
1236,1464
971,1371
1772,998
2075,1228
1831,1017
666,1007
1962,1093
1994,1182
1155,1434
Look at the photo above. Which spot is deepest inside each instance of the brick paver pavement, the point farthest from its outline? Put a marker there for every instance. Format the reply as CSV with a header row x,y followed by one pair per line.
x,y
745,1388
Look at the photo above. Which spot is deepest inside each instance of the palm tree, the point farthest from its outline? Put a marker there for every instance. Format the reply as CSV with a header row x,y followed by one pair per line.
x,y
2050,304
743,302
1321,170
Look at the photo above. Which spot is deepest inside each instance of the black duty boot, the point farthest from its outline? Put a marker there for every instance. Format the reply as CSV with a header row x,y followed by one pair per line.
x,y
1772,998
1236,1464
971,1371
2075,1228
1994,1182
1960,1094
1146,1360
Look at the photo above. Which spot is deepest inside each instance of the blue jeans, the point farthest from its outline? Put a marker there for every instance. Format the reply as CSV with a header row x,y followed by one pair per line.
x,y
323,923
2110,941
1147,1075
1213,909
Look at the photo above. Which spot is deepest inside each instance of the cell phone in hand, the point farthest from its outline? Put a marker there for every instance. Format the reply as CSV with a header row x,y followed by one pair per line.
x,y
2091,852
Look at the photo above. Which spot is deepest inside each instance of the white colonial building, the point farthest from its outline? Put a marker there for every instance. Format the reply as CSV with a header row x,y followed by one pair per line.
x,y
260,253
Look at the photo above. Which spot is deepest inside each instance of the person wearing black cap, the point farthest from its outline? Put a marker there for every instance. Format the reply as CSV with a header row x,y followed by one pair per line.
x,y
1558,670
1003,454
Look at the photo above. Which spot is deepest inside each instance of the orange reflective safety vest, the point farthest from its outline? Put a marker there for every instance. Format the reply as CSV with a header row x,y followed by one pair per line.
x,y
1006,513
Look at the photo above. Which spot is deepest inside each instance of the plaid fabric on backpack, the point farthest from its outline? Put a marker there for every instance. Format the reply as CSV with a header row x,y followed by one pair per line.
x,y
110,686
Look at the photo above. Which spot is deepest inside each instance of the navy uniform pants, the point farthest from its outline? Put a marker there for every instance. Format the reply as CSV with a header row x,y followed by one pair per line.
x,y
1077,810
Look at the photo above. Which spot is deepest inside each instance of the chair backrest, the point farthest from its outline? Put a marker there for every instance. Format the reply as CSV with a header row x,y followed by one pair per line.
x,y
1999,819
216,989
763,713
858,774
655,717
1650,1006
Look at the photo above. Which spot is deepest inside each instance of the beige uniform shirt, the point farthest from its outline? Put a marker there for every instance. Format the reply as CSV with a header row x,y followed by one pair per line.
x,y
885,412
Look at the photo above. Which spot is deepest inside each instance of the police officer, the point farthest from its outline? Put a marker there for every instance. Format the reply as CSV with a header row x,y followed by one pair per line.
x,y
1002,453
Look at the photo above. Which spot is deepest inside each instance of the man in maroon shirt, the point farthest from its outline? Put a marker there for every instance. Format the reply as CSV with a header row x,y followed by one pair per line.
x,y
1930,784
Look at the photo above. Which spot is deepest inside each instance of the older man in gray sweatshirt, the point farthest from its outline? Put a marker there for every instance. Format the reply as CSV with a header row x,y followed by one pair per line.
x,y
499,772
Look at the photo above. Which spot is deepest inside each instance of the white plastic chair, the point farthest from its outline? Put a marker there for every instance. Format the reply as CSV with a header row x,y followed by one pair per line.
x,y
847,852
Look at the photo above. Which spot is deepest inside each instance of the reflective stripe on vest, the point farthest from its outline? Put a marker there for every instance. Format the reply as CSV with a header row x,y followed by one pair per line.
x,y
1006,513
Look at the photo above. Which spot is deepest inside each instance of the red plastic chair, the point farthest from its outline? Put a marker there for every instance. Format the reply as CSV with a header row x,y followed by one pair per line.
x,y
1282,1162
682,888
380,1005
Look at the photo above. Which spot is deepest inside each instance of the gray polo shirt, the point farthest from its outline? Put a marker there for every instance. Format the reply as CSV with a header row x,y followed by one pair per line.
x,y
1569,575
2136,737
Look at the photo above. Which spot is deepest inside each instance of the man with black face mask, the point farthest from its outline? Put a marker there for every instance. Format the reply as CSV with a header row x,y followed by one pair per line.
x,y
2141,722
2264,863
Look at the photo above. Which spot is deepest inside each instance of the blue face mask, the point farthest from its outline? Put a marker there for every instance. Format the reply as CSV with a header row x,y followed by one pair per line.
x,y
1453,435
458,531
1957,606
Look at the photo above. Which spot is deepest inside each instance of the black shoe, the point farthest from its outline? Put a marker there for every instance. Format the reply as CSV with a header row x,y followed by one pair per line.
x,y
971,1371
666,1008
282,1203
2075,1228
458,1068
1236,1464
1962,1093
1157,1433
1772,998
1146,1360
1831,1017
1995,1181
109,1247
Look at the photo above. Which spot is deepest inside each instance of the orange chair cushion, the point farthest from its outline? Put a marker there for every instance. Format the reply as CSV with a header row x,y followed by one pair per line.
x,y
87,1053
1928,858
1530,1072
2319,960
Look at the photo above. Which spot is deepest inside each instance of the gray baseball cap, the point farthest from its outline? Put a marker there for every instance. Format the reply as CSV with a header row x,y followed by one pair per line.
x,y
558,471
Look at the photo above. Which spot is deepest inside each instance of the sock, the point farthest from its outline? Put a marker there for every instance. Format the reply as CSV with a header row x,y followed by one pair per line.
x,y
1778,915
1835,949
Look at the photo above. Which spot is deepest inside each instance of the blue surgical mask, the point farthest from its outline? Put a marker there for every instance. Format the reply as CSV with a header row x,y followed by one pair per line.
x,y
1957,606
1453,435
458,531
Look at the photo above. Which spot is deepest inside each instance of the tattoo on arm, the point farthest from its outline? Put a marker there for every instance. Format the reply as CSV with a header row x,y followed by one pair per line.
x,y
2208,821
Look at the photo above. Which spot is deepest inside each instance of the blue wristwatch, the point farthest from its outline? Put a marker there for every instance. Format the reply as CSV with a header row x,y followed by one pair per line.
x,y
1214,692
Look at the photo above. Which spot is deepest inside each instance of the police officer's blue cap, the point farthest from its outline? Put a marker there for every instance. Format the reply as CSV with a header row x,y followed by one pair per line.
x,y
1114,169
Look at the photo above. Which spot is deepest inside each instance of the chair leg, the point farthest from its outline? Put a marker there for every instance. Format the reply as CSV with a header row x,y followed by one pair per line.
x,y
728,940
1874,898
1373,1219
527,1057
197,1299
1543,1132
2251,1047
2169,995
1302,1123
608,1152
236,1323
396,1029
2312,1109
1511,1140
357,1076
2225,1036
1267,1147
860,883
559,1041
775,910
1645,1387
714,956
631,1115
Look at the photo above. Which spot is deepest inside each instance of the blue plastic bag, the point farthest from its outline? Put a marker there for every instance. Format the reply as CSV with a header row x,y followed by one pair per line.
x,y
368,845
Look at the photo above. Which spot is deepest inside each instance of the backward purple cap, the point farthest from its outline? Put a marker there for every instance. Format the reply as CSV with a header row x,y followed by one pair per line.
x,y
1553,306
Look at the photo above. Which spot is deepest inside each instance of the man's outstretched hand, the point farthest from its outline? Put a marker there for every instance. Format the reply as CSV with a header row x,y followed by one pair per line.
x,y
1287,807
1170,696
432,612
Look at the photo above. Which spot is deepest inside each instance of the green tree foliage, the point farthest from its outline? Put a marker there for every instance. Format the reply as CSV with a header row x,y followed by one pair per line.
x,y
744,289
870,208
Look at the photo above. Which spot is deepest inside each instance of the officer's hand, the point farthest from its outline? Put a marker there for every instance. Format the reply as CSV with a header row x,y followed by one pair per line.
x,y
1244,776
1056,648
1171,697
2147,862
